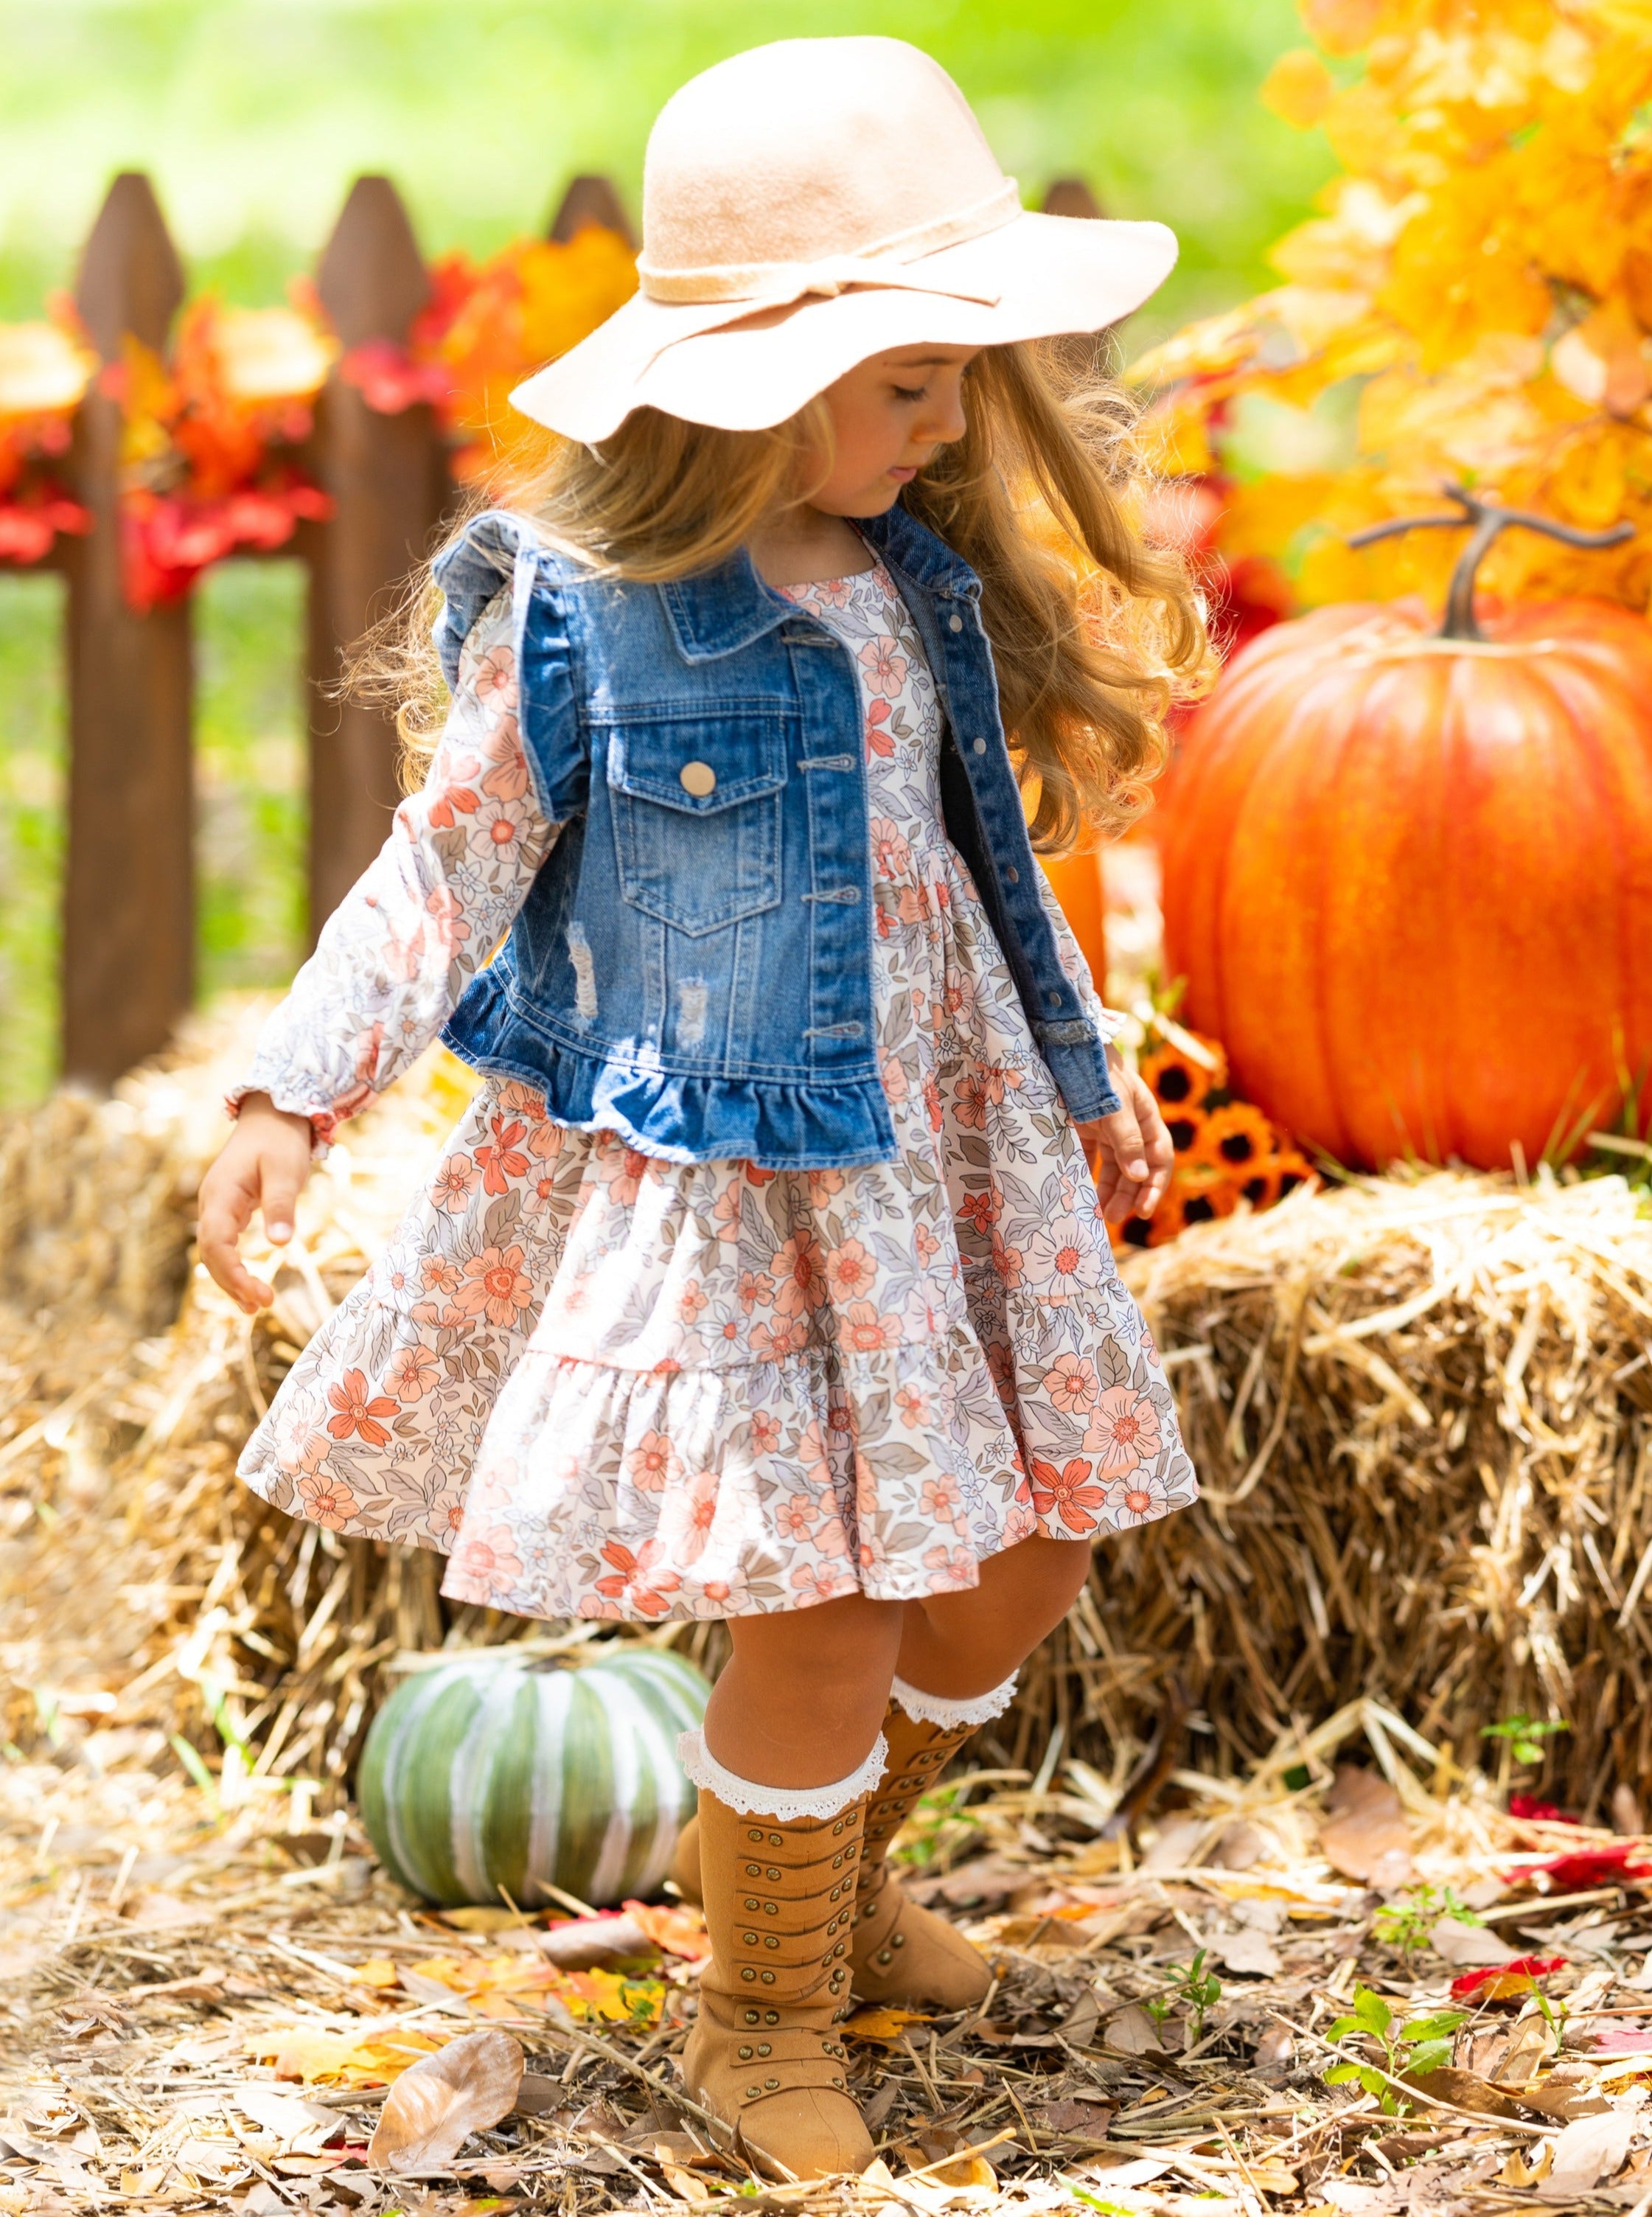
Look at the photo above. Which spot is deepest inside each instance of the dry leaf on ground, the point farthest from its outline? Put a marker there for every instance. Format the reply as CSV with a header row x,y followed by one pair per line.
x,y
1366,1835
433,2108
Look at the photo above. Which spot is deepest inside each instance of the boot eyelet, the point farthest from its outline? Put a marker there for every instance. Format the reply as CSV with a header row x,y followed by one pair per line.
x,y
754,1870
765,2048
770,1939
751,2016
838,2080
774,1839
750,1939
884,1954
771,2016
774,1878
748,1974
745,2053
755,1835
899,1940
752,1903
771,2082
768,1978
752,2092
771,1908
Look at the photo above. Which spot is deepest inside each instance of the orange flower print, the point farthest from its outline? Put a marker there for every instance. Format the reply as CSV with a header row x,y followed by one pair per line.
x,y
503,1160
980,1210
971,1102
453,1184
632,1577
950,1566
1071,1382
412,1373
489,1559
892,1070
725,1212
850,1271
519,1100
452,798
862,1329
507,780
913,1404
799,1281
689,1515
818,1582
891,854
1123,1431
756,1289
1069,1493
438,1276
622,1171
884,665
356,1412
651,1462
328,1500
495,1285
764,1431
932,1100
1008,1261
880,741
797,1515
493,680
926,1245
823,1184
1144,1498
940,1498
774,1343
692,1301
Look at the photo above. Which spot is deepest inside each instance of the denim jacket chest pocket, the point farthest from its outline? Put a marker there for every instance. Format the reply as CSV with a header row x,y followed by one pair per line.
x,y
695,796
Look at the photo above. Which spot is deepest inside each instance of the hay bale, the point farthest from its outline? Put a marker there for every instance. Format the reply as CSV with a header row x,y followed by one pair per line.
x,y
1418,1408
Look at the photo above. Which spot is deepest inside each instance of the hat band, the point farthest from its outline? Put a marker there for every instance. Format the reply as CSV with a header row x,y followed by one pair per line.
x,y
888,263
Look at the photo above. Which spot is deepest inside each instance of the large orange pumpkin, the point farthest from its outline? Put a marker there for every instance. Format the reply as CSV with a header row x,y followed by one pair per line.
x,y
1408,876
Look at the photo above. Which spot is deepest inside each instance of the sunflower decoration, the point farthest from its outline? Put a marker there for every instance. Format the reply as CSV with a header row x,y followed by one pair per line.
x,y
1229,1155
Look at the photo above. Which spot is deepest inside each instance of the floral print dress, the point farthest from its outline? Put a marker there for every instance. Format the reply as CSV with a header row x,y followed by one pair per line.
x,y
614,1386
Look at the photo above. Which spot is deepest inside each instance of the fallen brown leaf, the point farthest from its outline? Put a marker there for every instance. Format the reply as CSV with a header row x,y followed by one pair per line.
x,y
435,2107
1365,1835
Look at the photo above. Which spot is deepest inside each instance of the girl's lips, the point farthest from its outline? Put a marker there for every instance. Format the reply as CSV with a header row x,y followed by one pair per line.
x,y
903,474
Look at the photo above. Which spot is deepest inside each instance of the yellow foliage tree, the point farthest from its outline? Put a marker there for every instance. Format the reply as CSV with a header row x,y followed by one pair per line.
x,y
1472,303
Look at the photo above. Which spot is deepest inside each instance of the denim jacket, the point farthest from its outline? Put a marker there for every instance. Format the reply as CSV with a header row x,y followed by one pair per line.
x,y
693,965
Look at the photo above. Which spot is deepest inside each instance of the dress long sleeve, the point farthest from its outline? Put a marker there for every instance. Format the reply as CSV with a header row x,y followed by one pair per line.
x,y
425,916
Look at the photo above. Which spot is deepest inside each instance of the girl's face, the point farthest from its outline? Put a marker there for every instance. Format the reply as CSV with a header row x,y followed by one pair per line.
x,y
888,415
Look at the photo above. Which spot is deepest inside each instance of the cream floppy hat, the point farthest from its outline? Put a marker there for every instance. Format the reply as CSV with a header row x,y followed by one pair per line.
x,y
810,203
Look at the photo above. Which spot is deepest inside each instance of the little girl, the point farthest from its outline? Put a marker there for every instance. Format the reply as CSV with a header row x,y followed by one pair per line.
x,y
766,1279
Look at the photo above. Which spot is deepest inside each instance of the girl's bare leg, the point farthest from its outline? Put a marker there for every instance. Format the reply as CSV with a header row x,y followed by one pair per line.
x,y
959,1646
801,1702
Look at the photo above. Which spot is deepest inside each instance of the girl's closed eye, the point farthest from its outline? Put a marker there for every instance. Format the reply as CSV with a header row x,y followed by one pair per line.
x,y
912,394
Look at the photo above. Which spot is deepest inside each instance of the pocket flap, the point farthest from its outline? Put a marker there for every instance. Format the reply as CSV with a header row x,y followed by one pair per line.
x,y
699,764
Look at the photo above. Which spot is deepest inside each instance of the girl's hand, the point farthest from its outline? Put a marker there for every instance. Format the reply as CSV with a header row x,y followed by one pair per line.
x,y
264,1165
1130,1149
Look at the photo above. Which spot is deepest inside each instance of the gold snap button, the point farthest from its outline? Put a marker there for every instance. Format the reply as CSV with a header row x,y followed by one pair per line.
x,y
697,778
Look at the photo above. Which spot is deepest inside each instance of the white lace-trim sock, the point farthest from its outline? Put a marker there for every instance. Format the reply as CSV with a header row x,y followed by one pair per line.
x,y
746,1796
931,1708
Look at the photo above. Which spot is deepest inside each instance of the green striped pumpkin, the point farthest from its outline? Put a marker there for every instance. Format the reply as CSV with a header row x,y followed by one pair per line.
x,y
492,1775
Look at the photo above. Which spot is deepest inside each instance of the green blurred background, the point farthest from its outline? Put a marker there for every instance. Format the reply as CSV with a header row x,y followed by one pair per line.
x,y
252,116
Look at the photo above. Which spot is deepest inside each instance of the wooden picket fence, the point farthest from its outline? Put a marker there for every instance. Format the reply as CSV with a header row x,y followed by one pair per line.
x,y
129,896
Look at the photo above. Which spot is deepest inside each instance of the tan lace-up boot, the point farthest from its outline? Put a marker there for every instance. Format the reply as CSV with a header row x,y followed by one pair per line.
x,y
764,2053
900,1952
903,1953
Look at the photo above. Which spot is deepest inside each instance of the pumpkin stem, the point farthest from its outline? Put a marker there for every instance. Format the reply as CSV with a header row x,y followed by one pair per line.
x,y
1485,520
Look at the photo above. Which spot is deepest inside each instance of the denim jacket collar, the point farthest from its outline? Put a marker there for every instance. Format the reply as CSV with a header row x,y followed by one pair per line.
x,y
721,610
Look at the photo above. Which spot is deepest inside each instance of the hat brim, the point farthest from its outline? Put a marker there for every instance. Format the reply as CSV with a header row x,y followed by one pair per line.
x,y
1051,274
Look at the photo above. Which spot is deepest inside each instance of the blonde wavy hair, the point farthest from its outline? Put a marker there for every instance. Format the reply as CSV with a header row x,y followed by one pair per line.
x,y
1095,631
